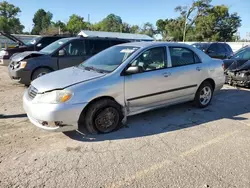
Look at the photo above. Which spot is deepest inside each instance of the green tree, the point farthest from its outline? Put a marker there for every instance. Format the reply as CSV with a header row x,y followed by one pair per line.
x,y
217,25
42,21
60,25
126,28
76,24
135,29
191,14
148,29
112,23
171,29
9,22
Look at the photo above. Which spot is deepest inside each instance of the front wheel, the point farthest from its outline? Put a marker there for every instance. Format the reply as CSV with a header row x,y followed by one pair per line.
x,y
40,72
102,116
204,95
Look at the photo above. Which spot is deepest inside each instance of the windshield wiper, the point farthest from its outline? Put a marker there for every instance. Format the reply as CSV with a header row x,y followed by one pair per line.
x,y
93,69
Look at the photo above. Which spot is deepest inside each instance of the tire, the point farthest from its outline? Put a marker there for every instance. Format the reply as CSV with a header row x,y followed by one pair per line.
x,y
100,113
40,72
204,95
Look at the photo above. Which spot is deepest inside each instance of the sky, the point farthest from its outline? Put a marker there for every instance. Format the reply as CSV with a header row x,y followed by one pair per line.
x,y
131,11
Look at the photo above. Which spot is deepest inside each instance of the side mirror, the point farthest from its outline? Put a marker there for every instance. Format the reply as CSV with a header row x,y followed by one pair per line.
x,y
61,53
132,70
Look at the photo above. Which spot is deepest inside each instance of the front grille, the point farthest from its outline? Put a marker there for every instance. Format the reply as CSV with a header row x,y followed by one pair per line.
x,y
32,92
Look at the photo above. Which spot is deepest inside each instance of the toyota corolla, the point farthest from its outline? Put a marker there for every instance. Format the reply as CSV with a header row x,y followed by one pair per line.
x,y
121,81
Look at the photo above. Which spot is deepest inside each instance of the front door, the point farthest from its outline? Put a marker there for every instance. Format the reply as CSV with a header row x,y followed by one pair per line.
x,y
72,54
146,88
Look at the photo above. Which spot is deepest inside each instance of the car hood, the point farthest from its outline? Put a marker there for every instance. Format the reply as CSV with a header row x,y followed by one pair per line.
x,y
64,78
26,55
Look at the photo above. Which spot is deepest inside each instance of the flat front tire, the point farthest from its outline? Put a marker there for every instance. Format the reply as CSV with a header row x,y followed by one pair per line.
x,y
204,95
102,116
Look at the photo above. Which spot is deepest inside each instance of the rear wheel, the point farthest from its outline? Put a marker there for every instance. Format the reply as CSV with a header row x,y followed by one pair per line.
x,y
40,72
204,95
102,116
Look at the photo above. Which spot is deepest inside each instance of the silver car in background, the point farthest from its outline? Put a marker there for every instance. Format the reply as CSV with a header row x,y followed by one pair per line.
x,y
121,81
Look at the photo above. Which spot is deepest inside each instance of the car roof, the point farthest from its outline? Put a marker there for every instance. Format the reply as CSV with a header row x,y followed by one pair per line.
x,y
152,44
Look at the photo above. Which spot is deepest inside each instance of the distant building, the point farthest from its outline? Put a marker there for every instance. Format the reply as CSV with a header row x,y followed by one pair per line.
x,y
126,36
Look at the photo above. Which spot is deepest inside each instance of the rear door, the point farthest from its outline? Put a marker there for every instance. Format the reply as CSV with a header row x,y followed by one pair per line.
x,y
72,54
186,73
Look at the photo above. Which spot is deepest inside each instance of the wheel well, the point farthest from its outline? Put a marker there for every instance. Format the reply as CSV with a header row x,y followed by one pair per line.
x,y
40,68
93,101
211,81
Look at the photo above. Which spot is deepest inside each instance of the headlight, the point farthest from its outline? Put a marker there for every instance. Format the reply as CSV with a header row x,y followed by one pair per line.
x,y
23,64
54,97
4,53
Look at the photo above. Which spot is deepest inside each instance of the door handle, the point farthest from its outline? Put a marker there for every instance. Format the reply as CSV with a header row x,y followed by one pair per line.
x,y
167,74
198,68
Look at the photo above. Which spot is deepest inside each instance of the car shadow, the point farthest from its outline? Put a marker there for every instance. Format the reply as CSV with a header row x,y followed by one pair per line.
x,y
227,104
3,116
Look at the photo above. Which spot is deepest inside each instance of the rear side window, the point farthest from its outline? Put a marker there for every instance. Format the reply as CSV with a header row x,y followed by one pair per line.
x,y
213,48
182,56
74,48
229,49
221,48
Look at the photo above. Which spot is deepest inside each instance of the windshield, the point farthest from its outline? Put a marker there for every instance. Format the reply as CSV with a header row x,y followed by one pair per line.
x,y
201,46
109,59
242,54
54,46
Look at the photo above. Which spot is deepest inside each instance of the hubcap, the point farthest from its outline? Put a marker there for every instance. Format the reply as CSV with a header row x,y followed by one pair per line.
x,y
41,74
205,95
107,119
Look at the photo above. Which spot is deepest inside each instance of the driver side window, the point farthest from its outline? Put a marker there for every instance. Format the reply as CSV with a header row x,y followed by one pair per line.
x,y
152,59
74,48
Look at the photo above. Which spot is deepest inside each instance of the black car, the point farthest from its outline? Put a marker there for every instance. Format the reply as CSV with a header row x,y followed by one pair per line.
x,y
237,68
27,66
215,50
241,56
36,44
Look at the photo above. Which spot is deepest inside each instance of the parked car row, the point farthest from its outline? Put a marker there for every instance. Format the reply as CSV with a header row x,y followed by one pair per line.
x,y
35,44
63,53
95,83
236,66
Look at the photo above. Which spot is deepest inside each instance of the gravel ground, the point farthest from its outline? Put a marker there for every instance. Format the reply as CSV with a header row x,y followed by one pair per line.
x,y
179,146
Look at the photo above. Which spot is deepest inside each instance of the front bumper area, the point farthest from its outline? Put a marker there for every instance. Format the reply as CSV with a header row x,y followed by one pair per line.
x,y
42,114
20,75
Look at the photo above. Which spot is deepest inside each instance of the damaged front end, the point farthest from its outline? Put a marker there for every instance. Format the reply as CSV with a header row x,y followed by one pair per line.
x,y
238,74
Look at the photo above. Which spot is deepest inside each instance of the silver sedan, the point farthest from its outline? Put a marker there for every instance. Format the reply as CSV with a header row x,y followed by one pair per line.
x,y
121,81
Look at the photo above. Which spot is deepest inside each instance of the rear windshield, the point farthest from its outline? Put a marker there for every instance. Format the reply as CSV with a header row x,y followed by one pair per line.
x,y
201,46
54,46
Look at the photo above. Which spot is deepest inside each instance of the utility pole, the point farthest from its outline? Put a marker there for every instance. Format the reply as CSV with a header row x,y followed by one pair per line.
x,y
185,28
185,25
